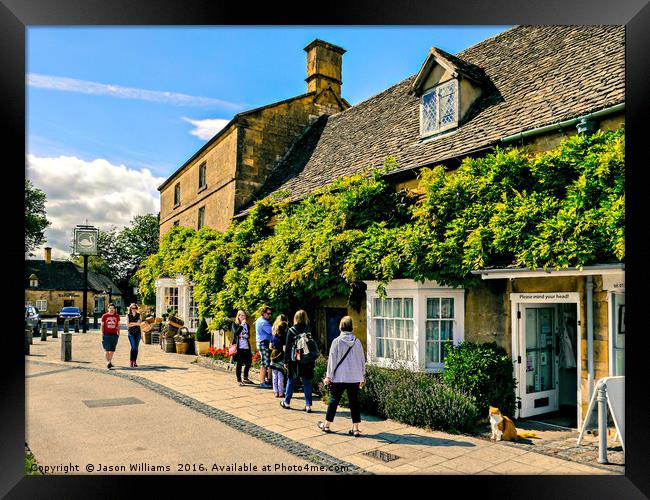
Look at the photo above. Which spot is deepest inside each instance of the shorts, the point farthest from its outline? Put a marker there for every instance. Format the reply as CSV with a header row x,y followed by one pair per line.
x,y
265,353
109,342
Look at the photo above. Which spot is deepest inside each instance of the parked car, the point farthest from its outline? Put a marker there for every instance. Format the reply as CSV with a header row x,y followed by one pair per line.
x,y
69,313
33,319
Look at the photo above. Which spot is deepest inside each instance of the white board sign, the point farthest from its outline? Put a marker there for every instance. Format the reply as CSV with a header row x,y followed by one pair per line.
x,y
614,282
615,402
543,297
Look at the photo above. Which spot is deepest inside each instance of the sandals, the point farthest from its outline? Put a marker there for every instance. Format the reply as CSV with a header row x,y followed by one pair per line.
x,y
354,433
324,428
284,405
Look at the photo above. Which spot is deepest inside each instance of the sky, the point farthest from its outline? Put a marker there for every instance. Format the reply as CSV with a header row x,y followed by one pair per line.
x,y
113,111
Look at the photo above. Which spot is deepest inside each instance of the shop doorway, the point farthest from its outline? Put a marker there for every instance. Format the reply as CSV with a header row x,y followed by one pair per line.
x,y
547,364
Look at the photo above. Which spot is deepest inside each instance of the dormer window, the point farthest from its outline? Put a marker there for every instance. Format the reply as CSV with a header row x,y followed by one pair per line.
x,y
33,281
439,108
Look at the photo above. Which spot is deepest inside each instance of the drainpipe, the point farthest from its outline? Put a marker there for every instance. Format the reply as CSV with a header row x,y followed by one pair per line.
x,y
565,124
590,335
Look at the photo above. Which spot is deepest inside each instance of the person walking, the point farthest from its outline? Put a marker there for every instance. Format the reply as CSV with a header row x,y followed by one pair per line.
x,y
263,334
241,338
110,328
346,368
133,322
280,327
295,368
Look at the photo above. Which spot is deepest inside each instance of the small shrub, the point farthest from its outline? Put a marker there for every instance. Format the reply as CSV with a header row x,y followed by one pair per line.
x,y
202,333
484,371
414,398
421,399
319,374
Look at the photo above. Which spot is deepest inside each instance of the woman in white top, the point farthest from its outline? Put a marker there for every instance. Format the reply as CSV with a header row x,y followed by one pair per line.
x,y
346,368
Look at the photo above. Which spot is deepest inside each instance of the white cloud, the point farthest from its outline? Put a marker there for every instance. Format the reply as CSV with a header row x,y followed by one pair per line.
x,y
88,87
206,129
103,193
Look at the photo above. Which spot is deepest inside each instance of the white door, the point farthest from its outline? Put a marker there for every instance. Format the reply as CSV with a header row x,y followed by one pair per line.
x,y
538,371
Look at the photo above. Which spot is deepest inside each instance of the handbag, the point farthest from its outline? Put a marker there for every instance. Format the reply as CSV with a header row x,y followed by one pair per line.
x,y
232,350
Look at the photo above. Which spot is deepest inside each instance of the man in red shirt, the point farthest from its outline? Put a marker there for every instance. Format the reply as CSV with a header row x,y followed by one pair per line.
x,y
110,333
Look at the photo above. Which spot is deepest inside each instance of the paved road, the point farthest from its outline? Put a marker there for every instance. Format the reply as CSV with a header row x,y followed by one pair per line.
x,y
68,423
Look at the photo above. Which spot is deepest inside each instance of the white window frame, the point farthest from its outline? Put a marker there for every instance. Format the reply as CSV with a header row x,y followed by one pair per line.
x,y
438,89
440,365
419,292
192,310
41,305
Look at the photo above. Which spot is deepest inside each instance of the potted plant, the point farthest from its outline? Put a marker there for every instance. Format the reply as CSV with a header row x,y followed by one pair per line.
x,y
202,337
183,340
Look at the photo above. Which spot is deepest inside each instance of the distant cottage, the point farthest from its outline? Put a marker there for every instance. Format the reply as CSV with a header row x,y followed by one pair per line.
x,y
530,85
51,285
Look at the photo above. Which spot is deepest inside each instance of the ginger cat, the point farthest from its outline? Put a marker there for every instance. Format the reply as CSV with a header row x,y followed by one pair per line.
x,y
504,428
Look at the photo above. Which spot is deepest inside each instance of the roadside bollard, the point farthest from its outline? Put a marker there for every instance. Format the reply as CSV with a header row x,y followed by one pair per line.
x,y
66,326
66,347
28,335
76,325
43,333
55,330
602,423
95,326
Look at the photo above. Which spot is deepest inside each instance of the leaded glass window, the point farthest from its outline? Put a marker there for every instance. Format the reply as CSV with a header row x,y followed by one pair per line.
x,y
439,108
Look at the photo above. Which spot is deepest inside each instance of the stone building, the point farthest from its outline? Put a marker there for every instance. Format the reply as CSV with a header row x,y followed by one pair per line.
x,y
51,285
530,85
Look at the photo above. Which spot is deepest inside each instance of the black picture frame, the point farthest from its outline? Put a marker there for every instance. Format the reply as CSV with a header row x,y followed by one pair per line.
x,y
17,15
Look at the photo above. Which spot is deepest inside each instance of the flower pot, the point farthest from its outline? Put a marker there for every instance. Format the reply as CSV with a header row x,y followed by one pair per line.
x,y
168,344
175,321
147,337
182,347
202,347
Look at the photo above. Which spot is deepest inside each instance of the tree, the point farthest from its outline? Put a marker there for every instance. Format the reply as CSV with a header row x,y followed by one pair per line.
x,y
35,220
121,253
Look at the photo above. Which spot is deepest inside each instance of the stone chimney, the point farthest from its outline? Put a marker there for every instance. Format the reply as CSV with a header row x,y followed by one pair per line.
x,y
48,255
324,67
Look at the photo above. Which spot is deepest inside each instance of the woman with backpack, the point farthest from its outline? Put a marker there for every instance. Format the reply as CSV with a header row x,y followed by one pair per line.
x,y
346,368
300,358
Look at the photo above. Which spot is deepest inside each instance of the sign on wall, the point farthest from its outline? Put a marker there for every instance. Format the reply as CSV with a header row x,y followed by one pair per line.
x,y
85,240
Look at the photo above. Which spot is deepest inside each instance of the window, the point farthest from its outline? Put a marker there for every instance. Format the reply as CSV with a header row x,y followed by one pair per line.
x,y
393,321
176,223
439,330
414,324
193,311
202,171
171,299
439,108
201,219
177,194
41,305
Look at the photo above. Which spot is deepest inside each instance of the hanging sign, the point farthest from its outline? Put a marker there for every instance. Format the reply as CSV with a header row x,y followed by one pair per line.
x,y
85,240
550,297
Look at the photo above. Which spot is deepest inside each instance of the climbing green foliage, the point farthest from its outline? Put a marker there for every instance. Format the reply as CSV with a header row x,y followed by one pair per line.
x,y
564,207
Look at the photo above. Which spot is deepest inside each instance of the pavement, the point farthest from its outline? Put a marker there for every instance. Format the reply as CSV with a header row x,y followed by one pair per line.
x,y
169,383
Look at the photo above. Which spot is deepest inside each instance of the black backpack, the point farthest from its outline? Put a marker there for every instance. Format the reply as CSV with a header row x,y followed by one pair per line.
x,y
308,352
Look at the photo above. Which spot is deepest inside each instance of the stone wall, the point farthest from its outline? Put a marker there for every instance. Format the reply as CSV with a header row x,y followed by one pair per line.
x,y
55,300
218,195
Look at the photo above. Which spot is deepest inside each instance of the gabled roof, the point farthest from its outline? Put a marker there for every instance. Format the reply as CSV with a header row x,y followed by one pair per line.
x,y
452,63
535,76
236,119
65,275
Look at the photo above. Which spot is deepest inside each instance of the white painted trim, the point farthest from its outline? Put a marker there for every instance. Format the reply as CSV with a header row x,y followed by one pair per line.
x,y
419,292
515,334
498,274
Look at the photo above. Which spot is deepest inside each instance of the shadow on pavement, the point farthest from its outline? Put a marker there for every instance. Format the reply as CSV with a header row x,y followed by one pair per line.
x,y
148,368
413,439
